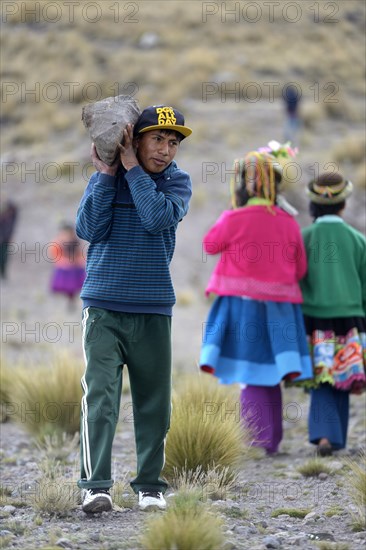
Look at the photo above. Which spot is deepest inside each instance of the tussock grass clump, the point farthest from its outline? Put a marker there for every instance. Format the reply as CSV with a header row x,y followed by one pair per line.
x,y
122,493
47,398
185,298
314,467
15,526
5,495
335,510
187,524
360,176
55,494
5,385
299,513
356,485
350,149
324,545
235,512
206,430
59,446
214,484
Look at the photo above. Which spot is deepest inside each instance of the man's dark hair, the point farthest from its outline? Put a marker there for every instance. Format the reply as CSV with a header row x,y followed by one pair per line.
x,y
318,210
178,135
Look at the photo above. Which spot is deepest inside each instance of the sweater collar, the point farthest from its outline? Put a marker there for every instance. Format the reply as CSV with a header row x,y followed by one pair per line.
x,y
255,201
329,218
166,173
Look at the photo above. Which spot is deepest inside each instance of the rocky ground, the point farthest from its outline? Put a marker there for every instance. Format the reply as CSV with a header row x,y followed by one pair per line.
x,y
36,324
258,512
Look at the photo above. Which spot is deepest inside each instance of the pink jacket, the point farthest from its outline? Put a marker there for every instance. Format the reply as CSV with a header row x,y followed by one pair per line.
x,y
262,254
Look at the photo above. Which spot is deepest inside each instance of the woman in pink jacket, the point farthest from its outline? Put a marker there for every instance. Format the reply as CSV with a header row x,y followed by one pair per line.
x,y
254,334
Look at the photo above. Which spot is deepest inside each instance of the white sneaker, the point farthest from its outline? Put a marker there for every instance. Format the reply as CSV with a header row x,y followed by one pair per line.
x,y
96,500
150,500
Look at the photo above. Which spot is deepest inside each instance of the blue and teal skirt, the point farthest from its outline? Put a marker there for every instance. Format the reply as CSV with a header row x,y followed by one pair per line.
x,y
255,342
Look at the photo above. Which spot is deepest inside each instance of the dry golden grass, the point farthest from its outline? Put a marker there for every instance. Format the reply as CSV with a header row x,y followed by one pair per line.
x,y
206,430
298,513
6,378
356,483
313,467
58,446
359,178
311,113
47,397
74,49
351,149
215,484
324,545
55,494
185,297
122,494
187,524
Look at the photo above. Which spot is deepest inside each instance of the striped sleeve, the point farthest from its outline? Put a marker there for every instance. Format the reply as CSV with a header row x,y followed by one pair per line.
x,y
159,210
94,215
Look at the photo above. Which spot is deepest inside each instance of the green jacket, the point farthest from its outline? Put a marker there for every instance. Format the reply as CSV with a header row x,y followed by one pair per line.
x,y
335,283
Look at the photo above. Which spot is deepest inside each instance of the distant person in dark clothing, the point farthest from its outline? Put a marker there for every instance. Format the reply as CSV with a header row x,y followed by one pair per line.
x,y
8,216
291,96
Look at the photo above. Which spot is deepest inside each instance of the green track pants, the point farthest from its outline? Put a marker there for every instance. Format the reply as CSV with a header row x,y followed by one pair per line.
x,y
142,342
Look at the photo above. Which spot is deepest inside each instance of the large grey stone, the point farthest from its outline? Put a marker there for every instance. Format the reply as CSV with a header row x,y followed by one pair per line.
x,y
106,119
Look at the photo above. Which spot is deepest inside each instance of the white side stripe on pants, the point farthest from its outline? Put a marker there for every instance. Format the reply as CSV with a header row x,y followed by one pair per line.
x,y
84,407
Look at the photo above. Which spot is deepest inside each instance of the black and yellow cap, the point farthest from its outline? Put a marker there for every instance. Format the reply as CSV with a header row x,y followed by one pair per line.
x,y
161,117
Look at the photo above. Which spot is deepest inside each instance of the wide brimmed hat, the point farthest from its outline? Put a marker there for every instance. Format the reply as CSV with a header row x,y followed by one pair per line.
x,y
161,117
329,188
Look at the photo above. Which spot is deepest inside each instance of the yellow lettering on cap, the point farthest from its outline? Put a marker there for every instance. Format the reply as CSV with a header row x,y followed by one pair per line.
x,y
166,115
166,121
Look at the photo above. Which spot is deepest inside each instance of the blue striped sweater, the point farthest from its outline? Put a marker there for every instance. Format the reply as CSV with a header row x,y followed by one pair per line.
x,y
130,221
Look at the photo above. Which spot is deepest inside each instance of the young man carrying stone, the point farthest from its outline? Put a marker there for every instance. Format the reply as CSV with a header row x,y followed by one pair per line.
x,y
129,214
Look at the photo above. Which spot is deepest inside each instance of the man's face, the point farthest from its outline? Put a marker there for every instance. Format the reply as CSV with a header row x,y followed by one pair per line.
x,y
156,149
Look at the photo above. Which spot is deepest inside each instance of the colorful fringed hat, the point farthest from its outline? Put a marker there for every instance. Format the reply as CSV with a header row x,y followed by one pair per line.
x,y
262,171
329,188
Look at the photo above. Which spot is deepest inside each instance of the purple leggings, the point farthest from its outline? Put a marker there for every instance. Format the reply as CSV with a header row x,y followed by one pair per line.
x,y
261,408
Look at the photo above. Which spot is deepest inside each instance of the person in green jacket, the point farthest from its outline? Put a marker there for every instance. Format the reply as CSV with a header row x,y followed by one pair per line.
x,y
334,292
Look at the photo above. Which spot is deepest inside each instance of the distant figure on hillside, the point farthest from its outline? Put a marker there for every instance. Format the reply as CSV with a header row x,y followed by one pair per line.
x,y
254,335
291,96
334,291
69,263
8,218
